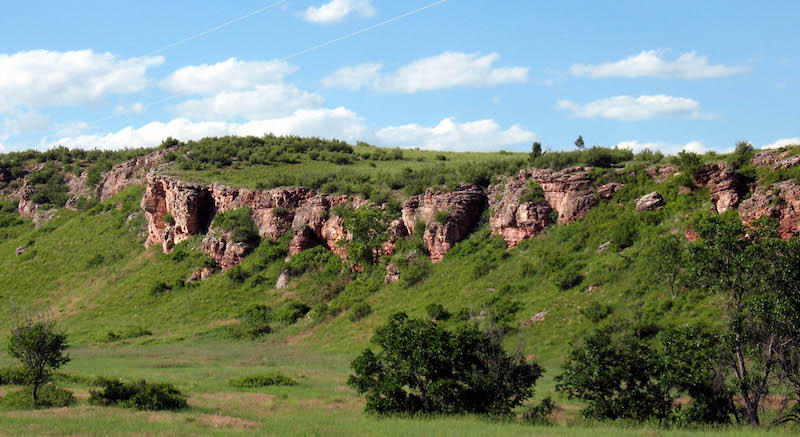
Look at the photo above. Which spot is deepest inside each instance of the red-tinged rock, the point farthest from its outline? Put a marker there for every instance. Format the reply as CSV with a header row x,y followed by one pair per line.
x,y
607,191
226,252
650,202
780,201
129,173
463,206
660,173
723,182
691,235
568,191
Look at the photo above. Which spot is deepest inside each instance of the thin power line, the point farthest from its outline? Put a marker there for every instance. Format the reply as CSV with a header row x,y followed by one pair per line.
x,y
215,28
366,29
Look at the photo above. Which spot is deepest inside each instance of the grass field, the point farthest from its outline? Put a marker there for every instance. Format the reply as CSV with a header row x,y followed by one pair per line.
x,y
320,404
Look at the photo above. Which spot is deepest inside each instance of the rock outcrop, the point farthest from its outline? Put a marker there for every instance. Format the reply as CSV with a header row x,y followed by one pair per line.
x,y
650,202
568,192
780,201
29,209
723,182
512,218
176,210
224,250
776,159
447,216
607,191
129,173
660,173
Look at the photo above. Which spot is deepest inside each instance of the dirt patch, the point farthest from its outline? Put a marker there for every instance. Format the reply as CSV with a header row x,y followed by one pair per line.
x,y
238,402
220,421
228,322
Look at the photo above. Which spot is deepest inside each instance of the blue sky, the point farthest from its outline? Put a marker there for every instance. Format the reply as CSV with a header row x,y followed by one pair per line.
x,y
459,75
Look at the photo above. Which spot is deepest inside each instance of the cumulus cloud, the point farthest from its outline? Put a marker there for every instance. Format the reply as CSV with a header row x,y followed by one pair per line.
x,y
629,108
40,78
651,63
337,10
22,122
668,148
444,71
229,75
264,101
481,135
328,123
782,143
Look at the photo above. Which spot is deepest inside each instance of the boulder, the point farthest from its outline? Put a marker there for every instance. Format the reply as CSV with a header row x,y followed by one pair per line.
x,y
650,202
226,252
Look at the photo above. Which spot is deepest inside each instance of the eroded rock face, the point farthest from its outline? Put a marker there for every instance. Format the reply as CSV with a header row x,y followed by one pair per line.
x,y
463,206
724,183
780,201
775,159
226,252
660,173
650,202
129,173
176,210
568,191
607,191
515,220
30,209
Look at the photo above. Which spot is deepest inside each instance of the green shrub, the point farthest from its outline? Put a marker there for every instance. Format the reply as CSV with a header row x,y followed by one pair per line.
x,y
568,277
49,396
533,194
437,312
442,216
262,380
359,311
456,372
12,376
540,413
313,259
138,395
239,223
596,312
413,273
291,312
254,323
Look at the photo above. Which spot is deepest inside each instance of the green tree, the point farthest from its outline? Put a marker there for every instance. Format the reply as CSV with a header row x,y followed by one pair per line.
x,y
367,226
536,151
664,257
616,376
39,346
579,143
424,368
759,276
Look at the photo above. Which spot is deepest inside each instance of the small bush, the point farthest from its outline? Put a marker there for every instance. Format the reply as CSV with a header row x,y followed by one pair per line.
x,y
534,193
255,322
437,312
49,396
239,223
540,413
596,312
359,311
415,272
442,216
138,395
291,312
262,380
12,376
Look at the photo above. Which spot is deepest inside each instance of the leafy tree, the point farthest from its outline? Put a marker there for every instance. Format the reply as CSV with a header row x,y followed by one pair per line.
x,y
690,363
579,142
425,368
39,346
664,257
615,376
367,225
536,151
759,275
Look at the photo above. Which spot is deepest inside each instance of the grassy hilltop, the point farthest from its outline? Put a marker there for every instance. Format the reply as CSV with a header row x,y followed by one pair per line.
x,y
128,311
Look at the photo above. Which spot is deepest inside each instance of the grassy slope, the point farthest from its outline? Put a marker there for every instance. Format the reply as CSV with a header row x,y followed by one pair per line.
x,y
60,269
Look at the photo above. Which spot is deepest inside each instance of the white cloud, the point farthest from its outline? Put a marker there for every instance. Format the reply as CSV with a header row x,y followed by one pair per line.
x,y
337,10
629,108
651,63
264,101
229,75
328,123
133,108
448,70
782,143
354,77
22,122
47,78
668,148
482,135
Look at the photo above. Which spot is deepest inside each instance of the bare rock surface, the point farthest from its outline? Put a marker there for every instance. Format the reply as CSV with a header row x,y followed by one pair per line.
x,y
650,202
723,182
463,208
780,201
129,173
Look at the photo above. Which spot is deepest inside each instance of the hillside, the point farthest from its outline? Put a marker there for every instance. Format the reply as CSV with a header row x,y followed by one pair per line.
x,y
174,246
